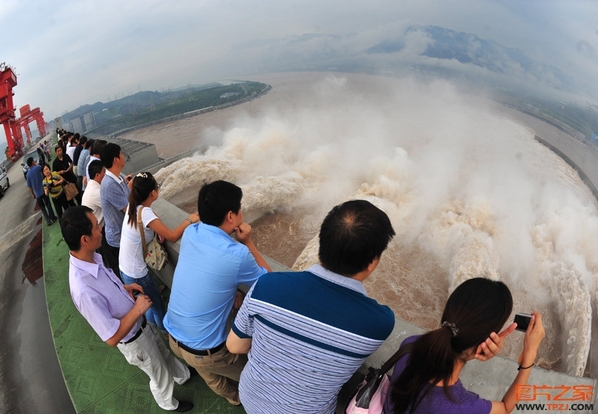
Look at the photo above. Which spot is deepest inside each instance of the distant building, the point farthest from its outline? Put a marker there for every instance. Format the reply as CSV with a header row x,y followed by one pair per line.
x,y
76,125
229,95
89,121
58,123
82,123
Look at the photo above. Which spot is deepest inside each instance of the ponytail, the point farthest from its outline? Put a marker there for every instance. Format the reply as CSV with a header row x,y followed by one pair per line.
x,y
431,360
473,311
143,184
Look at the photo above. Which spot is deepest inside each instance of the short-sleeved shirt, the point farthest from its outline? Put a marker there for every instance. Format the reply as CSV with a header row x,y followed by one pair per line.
x,y
210,268
82,163
436,400
35,180
60,165
89,160
70,151
114,193
130,257
92,199
100,297
310,332
53,189
77,154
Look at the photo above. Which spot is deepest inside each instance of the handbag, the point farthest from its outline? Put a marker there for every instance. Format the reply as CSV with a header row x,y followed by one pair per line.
x,y
71,190
373,390
154,253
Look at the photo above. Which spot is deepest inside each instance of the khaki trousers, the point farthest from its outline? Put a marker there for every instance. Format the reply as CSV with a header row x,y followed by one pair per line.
x,y
221,370
150,354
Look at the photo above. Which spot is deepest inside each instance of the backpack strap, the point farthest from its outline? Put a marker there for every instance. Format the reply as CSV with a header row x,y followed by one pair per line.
x,y
140,225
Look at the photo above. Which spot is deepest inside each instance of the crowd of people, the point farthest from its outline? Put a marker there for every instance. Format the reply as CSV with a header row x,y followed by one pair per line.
x,y
50,181
297,337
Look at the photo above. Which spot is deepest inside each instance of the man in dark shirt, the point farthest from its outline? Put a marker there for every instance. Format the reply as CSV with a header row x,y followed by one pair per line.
x,y
77,153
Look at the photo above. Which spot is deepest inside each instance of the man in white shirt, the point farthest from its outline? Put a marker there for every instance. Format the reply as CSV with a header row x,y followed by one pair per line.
x,y
91,196
95,151
70,150
92,199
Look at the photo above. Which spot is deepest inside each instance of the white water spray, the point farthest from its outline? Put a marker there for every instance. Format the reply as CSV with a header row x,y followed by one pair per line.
x,y
469,193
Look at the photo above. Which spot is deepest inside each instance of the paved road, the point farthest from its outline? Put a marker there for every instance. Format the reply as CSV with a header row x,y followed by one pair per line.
x,y
30,376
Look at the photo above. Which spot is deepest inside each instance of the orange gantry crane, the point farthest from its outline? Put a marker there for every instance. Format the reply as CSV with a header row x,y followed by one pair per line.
x,y
12,125
29,115
8,80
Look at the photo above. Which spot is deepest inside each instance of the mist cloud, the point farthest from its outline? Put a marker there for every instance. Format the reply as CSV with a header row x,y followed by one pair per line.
x,y
470,188
69,53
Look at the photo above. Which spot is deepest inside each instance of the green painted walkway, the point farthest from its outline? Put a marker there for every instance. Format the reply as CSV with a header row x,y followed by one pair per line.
x,y
97,376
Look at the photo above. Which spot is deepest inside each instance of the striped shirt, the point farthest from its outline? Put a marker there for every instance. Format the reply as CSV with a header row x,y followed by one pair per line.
x,y
310,332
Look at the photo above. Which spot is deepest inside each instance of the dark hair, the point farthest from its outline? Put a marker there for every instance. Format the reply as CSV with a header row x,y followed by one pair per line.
x,y
83,140
48,167
216,199
143,184
94,168
89,144
109,153
74,225
98,146
477,308
57,147
352,235
29,161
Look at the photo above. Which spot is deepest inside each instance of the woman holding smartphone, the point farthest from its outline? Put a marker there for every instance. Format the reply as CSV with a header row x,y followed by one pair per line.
x,y
426,378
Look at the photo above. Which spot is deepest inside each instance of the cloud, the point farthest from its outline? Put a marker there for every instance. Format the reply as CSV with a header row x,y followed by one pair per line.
x,y
68,53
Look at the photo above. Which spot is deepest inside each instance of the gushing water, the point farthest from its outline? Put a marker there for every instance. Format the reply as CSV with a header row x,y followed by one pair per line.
x,y
469,192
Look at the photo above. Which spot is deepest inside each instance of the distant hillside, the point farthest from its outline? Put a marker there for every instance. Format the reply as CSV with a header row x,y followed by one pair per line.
x,y
521,79
147,106
467,48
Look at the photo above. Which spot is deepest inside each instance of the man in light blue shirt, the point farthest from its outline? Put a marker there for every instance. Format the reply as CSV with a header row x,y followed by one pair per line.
x,y
114,194
83,161
211,266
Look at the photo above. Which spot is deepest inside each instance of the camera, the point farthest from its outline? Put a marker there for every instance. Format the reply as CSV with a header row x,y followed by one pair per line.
x,y
522,320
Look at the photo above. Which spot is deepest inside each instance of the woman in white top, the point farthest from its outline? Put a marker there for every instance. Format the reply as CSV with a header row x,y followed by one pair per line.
x,y
132,265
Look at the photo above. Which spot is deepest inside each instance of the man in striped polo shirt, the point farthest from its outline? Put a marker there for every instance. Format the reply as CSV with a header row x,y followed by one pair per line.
x,y
307,332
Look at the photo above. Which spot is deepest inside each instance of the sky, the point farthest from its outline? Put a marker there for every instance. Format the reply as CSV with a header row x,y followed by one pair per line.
x,y
69,53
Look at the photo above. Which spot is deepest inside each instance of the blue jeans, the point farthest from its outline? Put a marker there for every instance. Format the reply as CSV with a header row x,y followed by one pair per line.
x,y
45,206
156,313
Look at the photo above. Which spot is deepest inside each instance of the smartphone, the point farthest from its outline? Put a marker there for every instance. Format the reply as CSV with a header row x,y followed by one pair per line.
x,y
136,293
522,320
